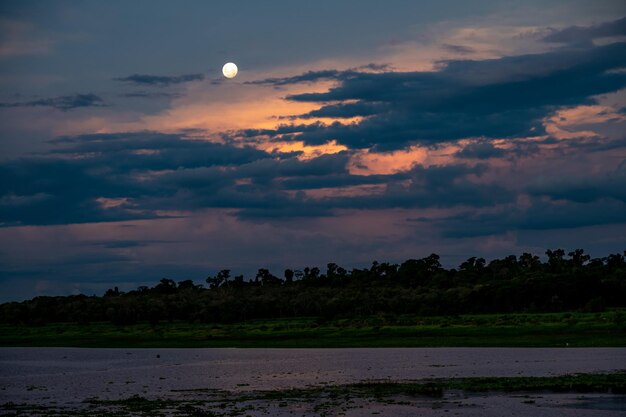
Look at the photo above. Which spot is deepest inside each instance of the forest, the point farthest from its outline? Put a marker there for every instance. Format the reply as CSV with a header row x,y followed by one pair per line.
x,y
563,282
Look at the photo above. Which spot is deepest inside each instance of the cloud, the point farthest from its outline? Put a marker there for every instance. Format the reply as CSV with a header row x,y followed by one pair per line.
x,y
152,175
313,76
56,191
459,49
437,186
586,188
585,34
160,80
421,187
145,94
337,180
126,243
347,110
508,97
550,204
100,178
62,102
480,150
540,215
309,76
154,151
596,144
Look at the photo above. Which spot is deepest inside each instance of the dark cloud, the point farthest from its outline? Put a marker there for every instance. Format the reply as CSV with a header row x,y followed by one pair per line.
x,y
272,168
348,110
507,97
559,203
313,76
541,215
91,259
113,177
97,178
596,144
585,189
459,49
480,150
139,151
42,191
255,186
338,180
374,67
124,244
400,128
309,76
62,102
558,216
435,186
584,34
146,94
484,86
160,80
145,175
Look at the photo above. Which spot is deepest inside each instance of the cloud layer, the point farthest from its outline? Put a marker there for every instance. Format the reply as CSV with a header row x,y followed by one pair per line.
x,y
62,102
160,80
498,98
459,146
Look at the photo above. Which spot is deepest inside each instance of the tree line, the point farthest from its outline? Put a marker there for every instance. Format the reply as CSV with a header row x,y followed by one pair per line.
x,y
416,286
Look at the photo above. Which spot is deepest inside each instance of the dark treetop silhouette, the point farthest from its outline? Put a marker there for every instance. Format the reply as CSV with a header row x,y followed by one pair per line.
x,y
417,286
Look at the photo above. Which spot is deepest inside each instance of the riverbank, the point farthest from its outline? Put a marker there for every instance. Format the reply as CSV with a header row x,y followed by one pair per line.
x,y
605,329
463,396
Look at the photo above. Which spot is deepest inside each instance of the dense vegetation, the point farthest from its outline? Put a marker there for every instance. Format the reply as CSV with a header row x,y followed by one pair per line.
x,y
605,329
415,287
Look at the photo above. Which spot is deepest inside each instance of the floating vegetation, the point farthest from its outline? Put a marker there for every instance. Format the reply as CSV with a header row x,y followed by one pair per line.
x,y
374,397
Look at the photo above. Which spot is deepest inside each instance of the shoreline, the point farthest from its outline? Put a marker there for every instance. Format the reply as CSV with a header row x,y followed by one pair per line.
x,y
602,391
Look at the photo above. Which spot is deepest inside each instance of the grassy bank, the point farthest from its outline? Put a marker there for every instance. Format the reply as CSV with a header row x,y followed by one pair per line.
x,y
524,330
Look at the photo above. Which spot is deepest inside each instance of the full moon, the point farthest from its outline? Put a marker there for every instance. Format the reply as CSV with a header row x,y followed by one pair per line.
x,y
229,70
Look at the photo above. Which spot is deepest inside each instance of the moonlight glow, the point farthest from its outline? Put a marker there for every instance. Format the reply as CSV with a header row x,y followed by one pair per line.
x,y
229,70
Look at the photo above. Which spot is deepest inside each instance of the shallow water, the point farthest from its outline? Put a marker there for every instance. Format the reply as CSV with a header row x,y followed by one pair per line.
x,y
70,375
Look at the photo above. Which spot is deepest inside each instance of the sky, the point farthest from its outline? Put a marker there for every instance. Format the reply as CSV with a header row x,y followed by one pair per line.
x,y
354,131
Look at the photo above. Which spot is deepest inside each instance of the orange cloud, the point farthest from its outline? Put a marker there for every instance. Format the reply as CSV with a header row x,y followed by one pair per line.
x,y
575,122
308,151
367,162
351,191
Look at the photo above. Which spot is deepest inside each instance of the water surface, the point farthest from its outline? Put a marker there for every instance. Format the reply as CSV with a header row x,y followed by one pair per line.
x,y
64,376
40,374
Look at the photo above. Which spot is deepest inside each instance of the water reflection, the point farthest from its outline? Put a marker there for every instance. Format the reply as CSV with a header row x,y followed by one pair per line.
x,y
39,374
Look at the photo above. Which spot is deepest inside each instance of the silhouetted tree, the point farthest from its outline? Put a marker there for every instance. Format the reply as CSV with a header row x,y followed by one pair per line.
x,y
220,279
112,292
529,262
166,286
266,278
186,285
555,259
578,257
416,286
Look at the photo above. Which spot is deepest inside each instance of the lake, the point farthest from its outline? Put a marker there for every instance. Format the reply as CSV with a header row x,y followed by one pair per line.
x,y
71,375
